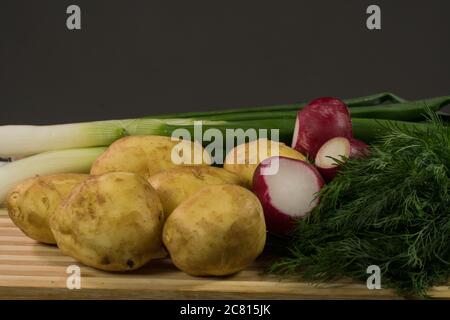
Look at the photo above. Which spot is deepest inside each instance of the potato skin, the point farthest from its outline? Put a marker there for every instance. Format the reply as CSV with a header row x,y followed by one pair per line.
x,y
144,155
111,222
32,201
246,167
219,230
175,185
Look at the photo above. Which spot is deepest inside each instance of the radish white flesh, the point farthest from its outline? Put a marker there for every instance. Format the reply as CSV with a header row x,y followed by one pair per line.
x,y
286,194
338,148
321,120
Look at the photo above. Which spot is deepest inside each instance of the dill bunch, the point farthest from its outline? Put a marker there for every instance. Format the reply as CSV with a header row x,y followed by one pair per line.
x,y
391,209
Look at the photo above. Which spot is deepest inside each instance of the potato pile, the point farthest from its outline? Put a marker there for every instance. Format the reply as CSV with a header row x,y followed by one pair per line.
x,y
137,205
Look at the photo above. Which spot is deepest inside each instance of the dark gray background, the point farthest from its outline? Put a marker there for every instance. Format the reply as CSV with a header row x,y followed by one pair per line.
x,y
136,58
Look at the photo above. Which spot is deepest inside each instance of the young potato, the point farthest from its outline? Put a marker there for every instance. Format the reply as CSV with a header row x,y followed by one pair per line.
x,y
217,231
175,185
111,222
148,155
244,158
32,201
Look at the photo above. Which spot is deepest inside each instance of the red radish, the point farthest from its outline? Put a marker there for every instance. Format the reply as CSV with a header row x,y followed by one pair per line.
x,y
287,190
321,120
339,148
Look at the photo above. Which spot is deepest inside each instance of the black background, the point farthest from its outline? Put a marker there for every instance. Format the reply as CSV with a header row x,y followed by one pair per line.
x,y
136,58
170,309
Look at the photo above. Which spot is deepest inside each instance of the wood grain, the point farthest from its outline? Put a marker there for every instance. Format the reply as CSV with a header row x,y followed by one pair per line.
x,y
30,270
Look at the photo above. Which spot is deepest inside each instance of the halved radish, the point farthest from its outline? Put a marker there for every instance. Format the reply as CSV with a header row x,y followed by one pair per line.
x,y
321,120
287,190
339,148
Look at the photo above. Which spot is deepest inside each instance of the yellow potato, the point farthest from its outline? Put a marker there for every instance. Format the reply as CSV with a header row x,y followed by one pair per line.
x,y
111,222
175,185
219,230
244,158
148,155
32,201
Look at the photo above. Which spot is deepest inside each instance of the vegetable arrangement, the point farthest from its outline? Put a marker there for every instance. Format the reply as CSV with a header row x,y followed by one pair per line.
x,y
365,182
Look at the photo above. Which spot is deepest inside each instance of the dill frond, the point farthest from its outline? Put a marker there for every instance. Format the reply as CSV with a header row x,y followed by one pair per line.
x,y
391,209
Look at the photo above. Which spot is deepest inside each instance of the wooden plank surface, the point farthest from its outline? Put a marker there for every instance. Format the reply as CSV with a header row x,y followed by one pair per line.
x,y
30,270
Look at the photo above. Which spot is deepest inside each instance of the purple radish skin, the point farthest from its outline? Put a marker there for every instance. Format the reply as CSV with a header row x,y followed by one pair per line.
x,y
359,149
338,148
287,195
321,120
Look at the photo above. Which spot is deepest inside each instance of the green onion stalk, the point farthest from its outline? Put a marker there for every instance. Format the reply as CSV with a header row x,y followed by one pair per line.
x,y
25,140
73,147
52,162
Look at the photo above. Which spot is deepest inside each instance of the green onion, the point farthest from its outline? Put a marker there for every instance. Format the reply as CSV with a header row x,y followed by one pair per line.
x,y
24,140
64,161
372,100
404,111
368,130
19,141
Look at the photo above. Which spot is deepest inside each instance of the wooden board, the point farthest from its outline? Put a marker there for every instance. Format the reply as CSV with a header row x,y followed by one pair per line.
x,y
30,270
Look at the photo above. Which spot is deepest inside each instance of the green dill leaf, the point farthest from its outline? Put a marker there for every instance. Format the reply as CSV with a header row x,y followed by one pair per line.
x,y
391,209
